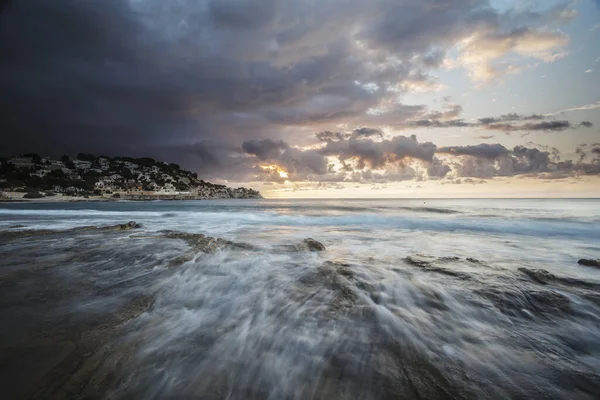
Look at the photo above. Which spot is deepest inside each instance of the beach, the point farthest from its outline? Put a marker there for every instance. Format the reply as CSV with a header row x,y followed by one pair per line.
x,y
300,299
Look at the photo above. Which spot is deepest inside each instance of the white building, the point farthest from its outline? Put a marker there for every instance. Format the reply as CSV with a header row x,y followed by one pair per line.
x,y
85,165
22,162
55,164
41,173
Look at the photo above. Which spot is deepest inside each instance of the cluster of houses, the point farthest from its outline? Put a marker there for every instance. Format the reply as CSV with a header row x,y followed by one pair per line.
x,y
112,176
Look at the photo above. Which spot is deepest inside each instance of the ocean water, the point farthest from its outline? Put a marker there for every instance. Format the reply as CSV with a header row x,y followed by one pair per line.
x,y
410,299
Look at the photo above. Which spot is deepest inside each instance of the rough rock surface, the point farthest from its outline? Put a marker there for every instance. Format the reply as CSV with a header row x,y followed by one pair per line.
x,y
428,263
202,243
539,275
313,245
589,263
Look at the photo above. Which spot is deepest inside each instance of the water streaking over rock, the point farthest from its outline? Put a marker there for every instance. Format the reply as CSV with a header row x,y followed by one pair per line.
x,y
380,299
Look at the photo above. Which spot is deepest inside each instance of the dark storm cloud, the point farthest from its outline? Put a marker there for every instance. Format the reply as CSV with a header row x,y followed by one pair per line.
x,y
510,117
364,132
296,162
525,161
265,149
195,81
328,135
504,123
590,151
437,169
556,126
480,150
429,123
377,154
367,132
401,158
547,126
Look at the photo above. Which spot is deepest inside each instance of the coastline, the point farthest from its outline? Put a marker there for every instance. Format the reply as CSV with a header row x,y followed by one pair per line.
x,y
17,197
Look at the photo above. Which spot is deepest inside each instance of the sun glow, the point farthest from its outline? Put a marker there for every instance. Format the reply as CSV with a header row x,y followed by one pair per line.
x,y
275,168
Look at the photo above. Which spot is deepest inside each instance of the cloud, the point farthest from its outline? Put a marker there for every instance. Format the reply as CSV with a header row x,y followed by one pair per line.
x,y
195,82
378,153
265,149
367,132
296,162
481,150
511,118
591,150
505,123
480,53
548,126
526,161
586,107
437,169
328,135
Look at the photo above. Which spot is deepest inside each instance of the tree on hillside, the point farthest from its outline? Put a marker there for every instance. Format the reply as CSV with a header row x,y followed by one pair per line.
x,y
34,157
86,157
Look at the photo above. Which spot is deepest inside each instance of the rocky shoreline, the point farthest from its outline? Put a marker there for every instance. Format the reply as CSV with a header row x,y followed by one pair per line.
x,y
92,353
16,197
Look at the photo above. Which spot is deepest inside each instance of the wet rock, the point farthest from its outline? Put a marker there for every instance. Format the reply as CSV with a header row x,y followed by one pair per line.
x,y
16,226
203,243
129,225
418,262
589,262
452,258
180,260
341,268
474,260
13,235
313,245
119,227
428,264
539,275
523,303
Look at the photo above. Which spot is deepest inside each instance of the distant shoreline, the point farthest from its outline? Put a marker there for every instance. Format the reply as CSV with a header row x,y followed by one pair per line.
x,y
17,197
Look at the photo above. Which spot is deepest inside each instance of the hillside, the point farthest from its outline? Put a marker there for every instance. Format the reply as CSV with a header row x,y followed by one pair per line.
x,y
117,177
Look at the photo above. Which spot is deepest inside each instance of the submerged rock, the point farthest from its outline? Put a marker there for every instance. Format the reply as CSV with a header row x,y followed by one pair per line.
x,y
203,243
313,245
427,263
525,303
539,275
13,232
129,225
474,260
589,262
449,258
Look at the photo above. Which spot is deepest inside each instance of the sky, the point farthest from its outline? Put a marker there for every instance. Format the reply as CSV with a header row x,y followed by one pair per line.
x,y
315,98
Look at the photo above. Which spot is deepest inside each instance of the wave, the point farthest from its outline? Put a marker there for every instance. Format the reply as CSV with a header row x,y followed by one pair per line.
x,y
527,227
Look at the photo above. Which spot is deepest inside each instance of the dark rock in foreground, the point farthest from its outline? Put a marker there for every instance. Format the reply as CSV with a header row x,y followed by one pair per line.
x,y
313,245
202,243
589,262
539,275
428,263
13,232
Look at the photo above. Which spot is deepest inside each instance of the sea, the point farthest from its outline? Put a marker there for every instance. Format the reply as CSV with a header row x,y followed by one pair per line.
x,y
411,299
